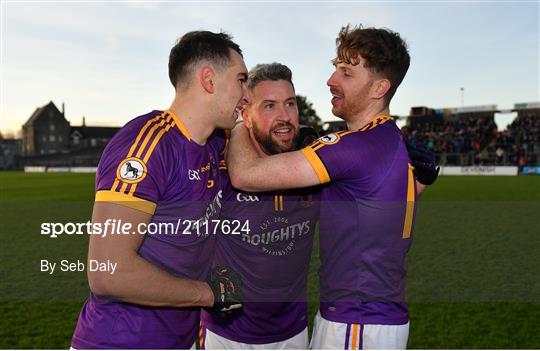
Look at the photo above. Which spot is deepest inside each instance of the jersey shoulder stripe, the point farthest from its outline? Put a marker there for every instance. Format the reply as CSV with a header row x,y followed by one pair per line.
x,y
123,191
375,122
152,131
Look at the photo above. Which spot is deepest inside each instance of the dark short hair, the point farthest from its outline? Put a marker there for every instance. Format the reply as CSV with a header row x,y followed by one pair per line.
x,y
197,46
383,50
268,71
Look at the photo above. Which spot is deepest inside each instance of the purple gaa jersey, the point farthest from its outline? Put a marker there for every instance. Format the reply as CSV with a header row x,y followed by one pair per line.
x,y
367,212
272,260
152,165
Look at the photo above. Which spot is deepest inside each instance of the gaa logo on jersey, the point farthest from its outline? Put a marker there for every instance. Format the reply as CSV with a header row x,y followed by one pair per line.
x,y
131,170
242,197
329,139
194,174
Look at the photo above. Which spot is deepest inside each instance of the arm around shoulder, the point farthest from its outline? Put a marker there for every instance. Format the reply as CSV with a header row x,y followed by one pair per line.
x,y
250,172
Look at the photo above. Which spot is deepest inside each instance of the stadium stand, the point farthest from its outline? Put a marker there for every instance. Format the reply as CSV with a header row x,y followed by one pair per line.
x,y
469,136
519,144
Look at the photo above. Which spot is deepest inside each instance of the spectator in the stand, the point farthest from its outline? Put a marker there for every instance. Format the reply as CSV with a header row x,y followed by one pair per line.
x,y
520,141
500,155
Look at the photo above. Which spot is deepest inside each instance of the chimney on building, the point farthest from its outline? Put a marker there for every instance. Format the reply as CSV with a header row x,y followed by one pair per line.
x,y
63,110
83,121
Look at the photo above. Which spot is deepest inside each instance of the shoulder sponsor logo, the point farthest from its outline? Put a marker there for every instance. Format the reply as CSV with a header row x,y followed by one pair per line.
x,y
205,168
241,197
193,174
131,170
329,139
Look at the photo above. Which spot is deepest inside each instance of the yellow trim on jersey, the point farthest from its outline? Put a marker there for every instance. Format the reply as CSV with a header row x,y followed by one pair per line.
x,y
180,125
201,338
315,143
151,149
364,128
132,190
156,140
126,200
123,188
315,148
407,228
344,132
376,121
115,184
141,133
278,202
132,150
355,335
148,137
317,164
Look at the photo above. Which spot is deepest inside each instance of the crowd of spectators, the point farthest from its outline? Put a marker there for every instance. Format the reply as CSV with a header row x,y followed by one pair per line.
x,y
477,140
454,142
519,143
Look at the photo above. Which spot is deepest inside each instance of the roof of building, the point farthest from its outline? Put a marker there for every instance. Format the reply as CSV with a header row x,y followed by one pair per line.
x,y
39,111
95,132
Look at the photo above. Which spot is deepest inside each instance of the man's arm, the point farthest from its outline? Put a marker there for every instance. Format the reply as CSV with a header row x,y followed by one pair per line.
x,y
136,280
249,172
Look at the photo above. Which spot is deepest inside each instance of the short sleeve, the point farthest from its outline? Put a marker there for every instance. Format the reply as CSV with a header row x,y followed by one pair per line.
x,y
368,153
332,156
132,171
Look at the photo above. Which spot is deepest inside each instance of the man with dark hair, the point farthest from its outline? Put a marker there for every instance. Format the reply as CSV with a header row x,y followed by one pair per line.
x,y
153,299
272,258
368,203
383,53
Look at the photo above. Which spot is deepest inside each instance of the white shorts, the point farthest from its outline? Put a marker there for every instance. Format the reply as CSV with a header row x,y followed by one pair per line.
x,y
344,336
212,341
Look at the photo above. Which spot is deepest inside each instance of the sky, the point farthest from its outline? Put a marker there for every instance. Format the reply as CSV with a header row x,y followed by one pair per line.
x,y
107,61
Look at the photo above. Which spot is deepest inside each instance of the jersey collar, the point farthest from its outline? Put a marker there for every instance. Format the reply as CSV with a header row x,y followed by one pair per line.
x,y
179,124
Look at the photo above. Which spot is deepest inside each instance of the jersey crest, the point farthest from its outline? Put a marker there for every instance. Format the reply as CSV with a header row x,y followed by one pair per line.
x,y
131,170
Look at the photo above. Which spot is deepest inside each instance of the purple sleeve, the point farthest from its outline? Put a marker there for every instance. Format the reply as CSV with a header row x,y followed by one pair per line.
x,y
359,155
335,156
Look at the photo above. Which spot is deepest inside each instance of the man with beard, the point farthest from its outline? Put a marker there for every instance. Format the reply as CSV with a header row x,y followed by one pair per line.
x,y
368,203
153,299
272,245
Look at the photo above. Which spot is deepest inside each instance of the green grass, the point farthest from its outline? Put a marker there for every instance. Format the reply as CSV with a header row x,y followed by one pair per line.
x,y
473,268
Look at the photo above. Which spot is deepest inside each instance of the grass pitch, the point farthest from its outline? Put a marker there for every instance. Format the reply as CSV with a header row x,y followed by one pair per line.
x,y
473,281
